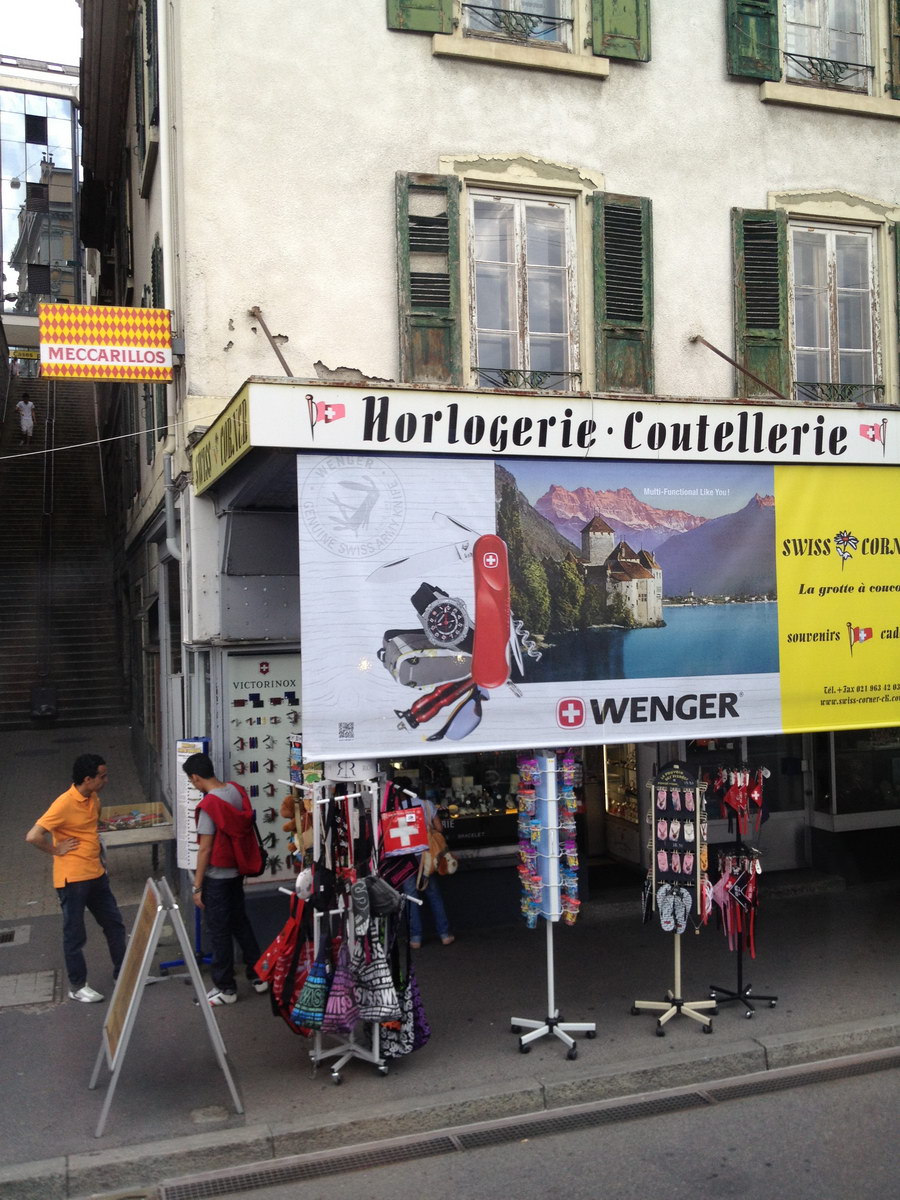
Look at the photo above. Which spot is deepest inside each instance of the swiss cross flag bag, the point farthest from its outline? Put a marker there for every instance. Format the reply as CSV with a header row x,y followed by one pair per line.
x,y
403,829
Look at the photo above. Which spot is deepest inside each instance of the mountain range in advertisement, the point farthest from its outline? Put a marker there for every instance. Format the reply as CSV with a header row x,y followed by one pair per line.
x,y
729,555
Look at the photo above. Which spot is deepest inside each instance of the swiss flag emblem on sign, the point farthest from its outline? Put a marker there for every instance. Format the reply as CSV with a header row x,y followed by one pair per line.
x,y
403,831
570,713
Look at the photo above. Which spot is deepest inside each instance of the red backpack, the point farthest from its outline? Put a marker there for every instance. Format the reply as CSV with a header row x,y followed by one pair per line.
x,y
238,843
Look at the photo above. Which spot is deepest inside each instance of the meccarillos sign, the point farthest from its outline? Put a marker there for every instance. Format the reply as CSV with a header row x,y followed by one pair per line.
x,y
105,342
401,420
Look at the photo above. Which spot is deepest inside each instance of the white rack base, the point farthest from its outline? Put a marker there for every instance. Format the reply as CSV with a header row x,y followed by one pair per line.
x,y
552,1024
673,1005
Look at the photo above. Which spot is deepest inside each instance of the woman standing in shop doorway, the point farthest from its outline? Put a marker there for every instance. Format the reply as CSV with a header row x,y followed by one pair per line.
x,y
432,892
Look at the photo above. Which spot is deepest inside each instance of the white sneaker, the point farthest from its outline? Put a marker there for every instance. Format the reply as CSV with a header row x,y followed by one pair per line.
x,y
216,996
260,986
86,995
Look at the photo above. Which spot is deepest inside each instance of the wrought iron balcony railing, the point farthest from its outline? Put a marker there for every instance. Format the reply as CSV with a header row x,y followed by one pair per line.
x,y
827,72
839,393
512,377
517,25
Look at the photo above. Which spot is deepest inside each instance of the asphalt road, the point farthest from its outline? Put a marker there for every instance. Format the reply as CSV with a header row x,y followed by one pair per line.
x,y
825,1141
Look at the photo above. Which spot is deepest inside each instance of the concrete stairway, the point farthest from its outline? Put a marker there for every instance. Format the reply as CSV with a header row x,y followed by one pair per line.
x,y
58,611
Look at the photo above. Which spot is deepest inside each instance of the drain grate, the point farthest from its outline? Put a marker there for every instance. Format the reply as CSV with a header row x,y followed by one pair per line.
x,y
572,1122
821,1074
299,1169
19,935
312,1166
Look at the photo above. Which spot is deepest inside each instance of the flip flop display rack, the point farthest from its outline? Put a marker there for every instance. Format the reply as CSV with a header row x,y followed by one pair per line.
x,y
676,886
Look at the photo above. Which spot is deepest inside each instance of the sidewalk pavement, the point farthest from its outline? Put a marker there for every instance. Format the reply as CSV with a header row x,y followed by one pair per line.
x,y
830,953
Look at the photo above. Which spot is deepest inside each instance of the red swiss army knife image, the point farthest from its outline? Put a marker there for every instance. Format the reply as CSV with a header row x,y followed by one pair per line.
x,y
461,649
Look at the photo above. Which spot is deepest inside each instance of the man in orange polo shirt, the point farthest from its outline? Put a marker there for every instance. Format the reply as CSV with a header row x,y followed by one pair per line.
x,y
68,832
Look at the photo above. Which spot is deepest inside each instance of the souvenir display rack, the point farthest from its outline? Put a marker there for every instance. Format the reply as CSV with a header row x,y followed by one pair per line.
x,y
739,791
678,859
550,886
342,1049
364,1041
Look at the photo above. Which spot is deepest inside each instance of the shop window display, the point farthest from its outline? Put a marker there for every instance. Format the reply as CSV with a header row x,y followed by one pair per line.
x,y
781,754
857,771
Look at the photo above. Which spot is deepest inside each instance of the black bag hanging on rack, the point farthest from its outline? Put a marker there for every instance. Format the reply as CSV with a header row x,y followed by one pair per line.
x,y
376,994
413,1031
324,885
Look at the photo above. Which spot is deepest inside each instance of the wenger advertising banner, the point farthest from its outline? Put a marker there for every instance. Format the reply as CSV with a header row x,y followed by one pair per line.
x,y
536,601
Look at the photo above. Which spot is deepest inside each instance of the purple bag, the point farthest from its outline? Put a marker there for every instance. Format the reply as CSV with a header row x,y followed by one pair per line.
x,y
421,1028
341,1010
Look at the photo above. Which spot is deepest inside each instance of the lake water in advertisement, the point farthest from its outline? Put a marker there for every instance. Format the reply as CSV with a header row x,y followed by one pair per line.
x,y
705,639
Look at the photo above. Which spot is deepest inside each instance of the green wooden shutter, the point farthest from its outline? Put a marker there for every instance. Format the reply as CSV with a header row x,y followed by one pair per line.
x,y
151,50
759,242
156,274
621,29
157,300
420,16
752,40
428,274
895,48
140,127
623,293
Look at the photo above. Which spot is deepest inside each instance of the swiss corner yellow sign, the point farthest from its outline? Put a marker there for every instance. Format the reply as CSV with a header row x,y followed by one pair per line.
x,y
99,341
837,548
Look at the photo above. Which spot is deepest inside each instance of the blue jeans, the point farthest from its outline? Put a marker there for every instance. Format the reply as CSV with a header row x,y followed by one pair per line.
x,y
433,898
96,896
227,923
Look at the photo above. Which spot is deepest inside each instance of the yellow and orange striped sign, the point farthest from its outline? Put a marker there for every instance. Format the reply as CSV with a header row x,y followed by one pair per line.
x,y
99,341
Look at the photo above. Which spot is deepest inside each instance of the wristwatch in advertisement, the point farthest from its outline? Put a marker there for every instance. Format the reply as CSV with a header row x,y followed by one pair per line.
x,y
444,618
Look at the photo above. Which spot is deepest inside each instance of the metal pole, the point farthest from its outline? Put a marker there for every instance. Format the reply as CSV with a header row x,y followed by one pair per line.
x,y
721,353
257,315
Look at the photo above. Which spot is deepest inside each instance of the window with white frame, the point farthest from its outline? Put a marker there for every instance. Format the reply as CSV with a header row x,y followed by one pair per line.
x,y
826,43
523,291
835,314
528,22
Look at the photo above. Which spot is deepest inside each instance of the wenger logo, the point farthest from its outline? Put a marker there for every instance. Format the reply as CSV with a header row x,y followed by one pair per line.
x,y
570,713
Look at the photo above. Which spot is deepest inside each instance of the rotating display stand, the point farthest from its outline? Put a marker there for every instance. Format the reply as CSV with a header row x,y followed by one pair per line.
x,y
676,815
546,821
741,994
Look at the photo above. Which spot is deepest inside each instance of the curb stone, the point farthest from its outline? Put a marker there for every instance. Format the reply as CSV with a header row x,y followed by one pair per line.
x,y
835,1041
47,1180
146,1165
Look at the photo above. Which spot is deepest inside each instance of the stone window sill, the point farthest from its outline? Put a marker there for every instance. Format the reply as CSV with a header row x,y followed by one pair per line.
x,y
829,101
447,45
